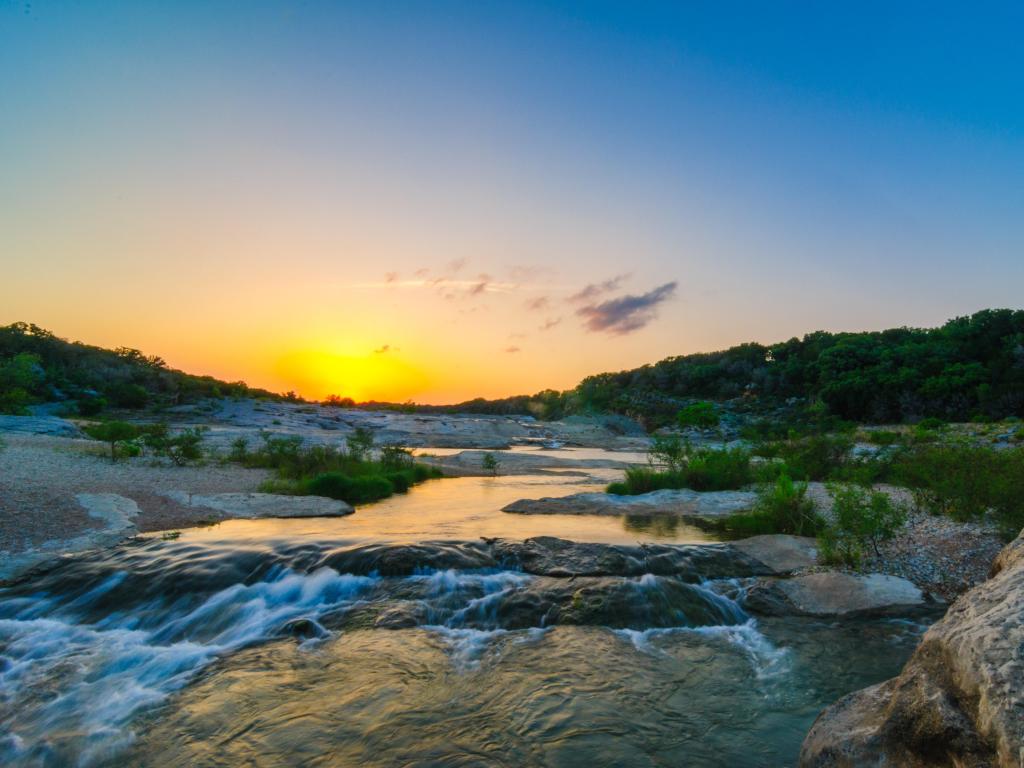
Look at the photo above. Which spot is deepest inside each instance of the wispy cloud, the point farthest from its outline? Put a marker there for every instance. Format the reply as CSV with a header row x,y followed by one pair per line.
x,y
512,350
549,324
390,277
592,291
626,313
538,303
385,349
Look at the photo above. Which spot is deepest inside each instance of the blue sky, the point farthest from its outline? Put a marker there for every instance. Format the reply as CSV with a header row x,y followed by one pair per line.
x,y
245,175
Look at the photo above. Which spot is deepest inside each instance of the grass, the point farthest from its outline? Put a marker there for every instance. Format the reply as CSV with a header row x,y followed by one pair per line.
x,y
782,507
701,470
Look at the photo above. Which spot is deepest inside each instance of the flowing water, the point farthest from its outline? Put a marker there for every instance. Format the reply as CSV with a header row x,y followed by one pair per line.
x,y
352,642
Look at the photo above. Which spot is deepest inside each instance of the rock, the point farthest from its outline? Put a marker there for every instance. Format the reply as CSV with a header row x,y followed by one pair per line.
x,y
39,425
118,513
470,463
682,502
958,702
550,556
831,593
781,552
304,629
256,505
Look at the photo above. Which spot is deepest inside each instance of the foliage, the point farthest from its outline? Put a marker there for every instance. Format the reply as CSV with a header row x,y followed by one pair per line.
x,y
489,462
815,457
360,443
115,433
186,446
36,365
669,452
702,470
861,517
326,470
702,415
337,401
966,482
781,507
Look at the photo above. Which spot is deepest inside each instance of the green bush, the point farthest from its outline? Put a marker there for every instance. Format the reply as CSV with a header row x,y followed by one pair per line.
x,y
90,406
884,437
966,482
816,457
781,507
861,517
702,415
354,490
702,470
186,446
126,395
489,463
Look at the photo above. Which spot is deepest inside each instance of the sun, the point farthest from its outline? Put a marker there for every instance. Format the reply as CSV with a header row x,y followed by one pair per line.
x,y
381,375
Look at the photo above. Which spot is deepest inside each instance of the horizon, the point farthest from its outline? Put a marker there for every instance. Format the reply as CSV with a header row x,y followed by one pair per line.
x,y
468,201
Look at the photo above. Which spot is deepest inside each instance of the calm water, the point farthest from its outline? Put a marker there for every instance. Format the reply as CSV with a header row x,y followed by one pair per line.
x,y
268,643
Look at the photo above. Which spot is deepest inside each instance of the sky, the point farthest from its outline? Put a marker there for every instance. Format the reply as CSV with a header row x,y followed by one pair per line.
x,y
438,201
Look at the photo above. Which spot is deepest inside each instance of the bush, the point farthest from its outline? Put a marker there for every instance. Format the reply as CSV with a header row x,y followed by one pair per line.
x,y
702,470
861,517
489,463
354,490
360,443
186,446
967,482
702,415
90,406
884,437
125,395
816,457
781,507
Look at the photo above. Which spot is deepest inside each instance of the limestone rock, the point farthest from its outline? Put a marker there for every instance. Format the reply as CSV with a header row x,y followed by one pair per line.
x,y
832,593
958,702
256,505
682,502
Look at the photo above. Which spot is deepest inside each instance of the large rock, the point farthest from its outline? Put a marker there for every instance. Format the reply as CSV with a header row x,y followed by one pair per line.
x,y
116,513
781,552
958,702
254,505
39,425
682,502
832,593
471,463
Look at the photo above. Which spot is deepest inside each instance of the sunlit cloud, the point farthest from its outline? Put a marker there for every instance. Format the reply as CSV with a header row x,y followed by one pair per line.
x,y
549,324
538,303
626,313
512,350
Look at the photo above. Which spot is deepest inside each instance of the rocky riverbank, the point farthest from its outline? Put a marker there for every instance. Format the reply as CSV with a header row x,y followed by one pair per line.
x,y
958,702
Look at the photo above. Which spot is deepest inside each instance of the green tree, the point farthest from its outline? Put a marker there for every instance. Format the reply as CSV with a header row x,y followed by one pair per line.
x,y
113,432
860,517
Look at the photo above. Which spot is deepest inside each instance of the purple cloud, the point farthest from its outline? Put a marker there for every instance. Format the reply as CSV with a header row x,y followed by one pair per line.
x,y
626,313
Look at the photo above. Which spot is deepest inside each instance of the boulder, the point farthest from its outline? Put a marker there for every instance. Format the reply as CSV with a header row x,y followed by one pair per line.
x,y
39,425
781,552
682,502
255,505
832,593
958,702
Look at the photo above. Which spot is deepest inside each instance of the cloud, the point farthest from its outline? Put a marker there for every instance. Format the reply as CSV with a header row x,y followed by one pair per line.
x,y
549,324
385,349
539,303
626,313
390,277
512,350
455,266
483,283
594,290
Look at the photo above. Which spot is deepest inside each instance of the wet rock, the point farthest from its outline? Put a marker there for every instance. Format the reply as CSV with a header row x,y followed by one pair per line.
x,y
831,593
471,463
406,559
682,502
304,628
958,702
550,556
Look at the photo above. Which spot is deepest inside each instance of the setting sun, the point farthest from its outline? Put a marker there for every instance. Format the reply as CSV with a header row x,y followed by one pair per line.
x,y
380,375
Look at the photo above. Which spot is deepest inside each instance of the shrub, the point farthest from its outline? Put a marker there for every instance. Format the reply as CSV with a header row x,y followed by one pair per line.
x,y
967,482
702,415
239,450
815,457
781,507
668,452
90,406
113,432
186,446
489,463
884,437
861,517
395,457
360,443
702,470
354,490
126,395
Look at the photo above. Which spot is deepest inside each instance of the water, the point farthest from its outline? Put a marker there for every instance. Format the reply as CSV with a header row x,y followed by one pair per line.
x,y
352,642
